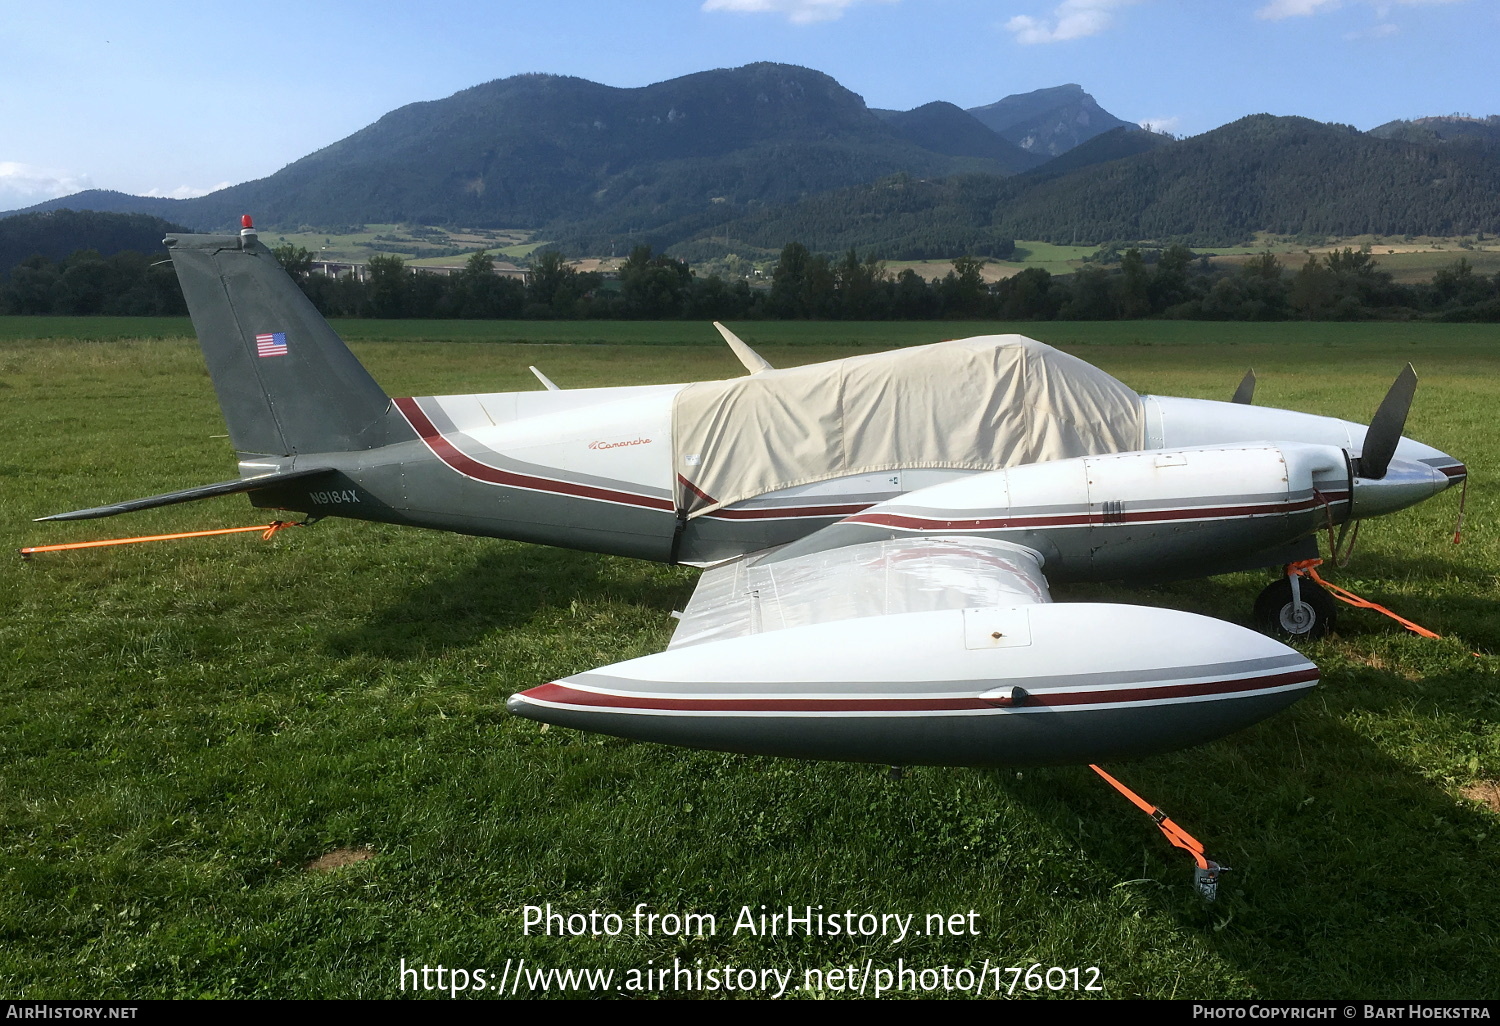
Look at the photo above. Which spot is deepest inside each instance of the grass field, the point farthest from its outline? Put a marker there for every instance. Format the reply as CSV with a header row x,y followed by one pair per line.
x,y
1053,258
411,243
1407,260
277,769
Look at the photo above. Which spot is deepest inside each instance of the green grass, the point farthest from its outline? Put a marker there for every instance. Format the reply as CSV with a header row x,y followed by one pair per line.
x,y
185,727
1297,336
358,247
1408,262
1053,258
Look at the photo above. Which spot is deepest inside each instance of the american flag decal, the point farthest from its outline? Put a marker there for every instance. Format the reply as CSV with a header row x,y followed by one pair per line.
x,y
271,345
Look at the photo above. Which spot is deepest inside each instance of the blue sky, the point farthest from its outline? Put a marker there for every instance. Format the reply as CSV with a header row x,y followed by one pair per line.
x,y
173,98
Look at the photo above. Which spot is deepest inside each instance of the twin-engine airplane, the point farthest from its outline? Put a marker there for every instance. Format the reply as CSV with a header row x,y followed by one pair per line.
x,y
875,529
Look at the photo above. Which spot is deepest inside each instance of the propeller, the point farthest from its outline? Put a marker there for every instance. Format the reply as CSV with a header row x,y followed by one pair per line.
x,y
1384,432
1245,394
753,361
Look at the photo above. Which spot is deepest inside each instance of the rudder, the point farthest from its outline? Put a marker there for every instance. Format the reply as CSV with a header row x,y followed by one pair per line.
x,y
285,380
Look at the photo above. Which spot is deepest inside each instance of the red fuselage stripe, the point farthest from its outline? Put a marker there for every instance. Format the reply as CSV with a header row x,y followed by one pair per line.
x,y
855,514
788,512
1087,519
467,465
561,694
694,489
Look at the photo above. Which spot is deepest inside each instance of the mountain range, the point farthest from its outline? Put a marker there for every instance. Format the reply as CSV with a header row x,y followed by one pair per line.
x,y
1288,176
534,150
766,153
1459,128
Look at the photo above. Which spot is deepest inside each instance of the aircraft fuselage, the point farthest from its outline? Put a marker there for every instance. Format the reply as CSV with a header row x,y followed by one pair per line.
x,y
592,469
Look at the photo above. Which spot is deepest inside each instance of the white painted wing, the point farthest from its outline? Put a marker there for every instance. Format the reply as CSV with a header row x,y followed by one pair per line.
x,y
908,575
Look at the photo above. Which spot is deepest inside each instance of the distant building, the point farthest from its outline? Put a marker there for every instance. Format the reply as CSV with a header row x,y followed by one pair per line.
x,y
360,272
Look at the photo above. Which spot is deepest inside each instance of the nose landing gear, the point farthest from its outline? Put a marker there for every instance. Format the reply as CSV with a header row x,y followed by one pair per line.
x,y
1295,608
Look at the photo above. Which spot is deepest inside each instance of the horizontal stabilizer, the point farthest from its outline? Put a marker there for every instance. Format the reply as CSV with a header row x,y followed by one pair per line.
x,y
243,484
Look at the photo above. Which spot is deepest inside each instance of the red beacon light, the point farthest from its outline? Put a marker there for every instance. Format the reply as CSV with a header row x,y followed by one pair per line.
x,y
247,227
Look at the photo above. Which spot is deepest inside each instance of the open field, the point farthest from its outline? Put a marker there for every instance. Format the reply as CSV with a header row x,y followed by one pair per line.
x,y
1056,259
1046,255
412,243
1408,261
1295,335
245,768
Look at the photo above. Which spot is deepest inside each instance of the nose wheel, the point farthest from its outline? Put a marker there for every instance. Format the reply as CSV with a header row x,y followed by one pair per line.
x,y
1295,608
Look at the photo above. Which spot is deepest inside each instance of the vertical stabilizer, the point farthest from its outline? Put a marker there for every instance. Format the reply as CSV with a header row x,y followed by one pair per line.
x,y
286,381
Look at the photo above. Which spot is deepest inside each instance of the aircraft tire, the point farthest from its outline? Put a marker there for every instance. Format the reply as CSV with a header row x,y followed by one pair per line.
x,y
1277,616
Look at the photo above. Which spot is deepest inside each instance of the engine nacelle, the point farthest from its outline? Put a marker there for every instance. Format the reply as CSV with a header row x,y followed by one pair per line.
x,y
1110,516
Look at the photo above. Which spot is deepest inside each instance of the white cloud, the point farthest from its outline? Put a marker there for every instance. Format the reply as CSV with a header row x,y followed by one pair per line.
x,y
1160,125
1379,31
1278,9
798,12
24,184
186,191
1072,19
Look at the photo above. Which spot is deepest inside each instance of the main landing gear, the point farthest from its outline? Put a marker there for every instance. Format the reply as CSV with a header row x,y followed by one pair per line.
x,y
1295,608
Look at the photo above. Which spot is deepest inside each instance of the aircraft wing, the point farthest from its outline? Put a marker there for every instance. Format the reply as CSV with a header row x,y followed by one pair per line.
x,y
933,650
749,597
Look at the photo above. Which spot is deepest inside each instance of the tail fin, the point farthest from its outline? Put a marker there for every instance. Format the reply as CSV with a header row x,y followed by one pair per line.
x,y
286,381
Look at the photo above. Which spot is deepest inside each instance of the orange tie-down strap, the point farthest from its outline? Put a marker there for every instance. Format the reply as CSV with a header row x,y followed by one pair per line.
x,y
266,530
1206,876
1178,836
1309,568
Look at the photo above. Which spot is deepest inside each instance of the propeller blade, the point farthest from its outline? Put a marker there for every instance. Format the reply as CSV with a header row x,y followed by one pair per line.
x,y
753,361
1245,394
1384,432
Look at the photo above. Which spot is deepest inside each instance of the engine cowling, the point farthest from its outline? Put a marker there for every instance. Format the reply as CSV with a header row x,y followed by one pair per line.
x,y
1117,515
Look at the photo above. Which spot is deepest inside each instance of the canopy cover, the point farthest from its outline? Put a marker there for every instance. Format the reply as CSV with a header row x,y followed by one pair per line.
x,y
971,404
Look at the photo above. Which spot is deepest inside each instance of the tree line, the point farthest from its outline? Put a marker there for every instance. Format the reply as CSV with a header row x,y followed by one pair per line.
x,y
1173,282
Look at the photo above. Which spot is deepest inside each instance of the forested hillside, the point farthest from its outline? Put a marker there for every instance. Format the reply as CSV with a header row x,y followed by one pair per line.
x,y
1116,144
56,234
1455,128
897,218
536,150
1261,173
945,128
600,169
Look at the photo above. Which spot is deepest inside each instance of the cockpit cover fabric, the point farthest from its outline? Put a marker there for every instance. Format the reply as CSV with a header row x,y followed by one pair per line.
x,y
971,404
